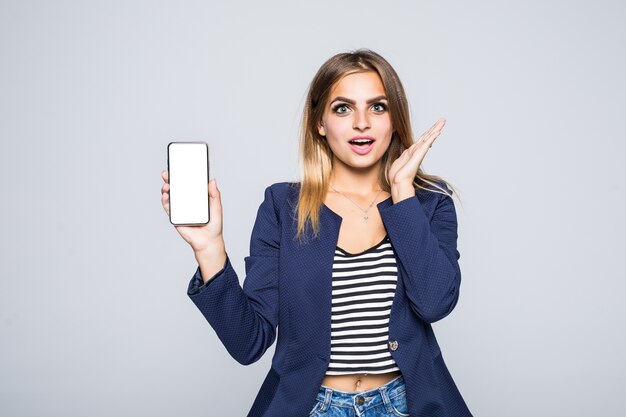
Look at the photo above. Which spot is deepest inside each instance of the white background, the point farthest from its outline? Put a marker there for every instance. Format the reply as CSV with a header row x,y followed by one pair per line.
x,y
94,316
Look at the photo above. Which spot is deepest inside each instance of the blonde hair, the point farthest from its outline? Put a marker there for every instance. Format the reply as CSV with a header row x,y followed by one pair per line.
x,y
316,156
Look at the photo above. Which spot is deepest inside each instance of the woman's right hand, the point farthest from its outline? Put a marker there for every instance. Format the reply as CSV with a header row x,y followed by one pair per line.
x,y
206,238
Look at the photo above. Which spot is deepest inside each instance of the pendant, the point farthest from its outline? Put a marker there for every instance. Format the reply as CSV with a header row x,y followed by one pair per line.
x,y
365,218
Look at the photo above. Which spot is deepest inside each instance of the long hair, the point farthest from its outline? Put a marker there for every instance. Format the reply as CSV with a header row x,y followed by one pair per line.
x,y
316,157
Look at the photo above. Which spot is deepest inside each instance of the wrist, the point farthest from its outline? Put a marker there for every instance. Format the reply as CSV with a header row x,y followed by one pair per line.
x,y
402,191
211,261
211,254
212,246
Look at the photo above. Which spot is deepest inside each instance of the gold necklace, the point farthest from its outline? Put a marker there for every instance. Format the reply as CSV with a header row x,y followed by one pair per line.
x,y
365,216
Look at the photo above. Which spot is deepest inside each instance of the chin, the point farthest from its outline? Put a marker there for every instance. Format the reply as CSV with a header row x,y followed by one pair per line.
x,y
364,164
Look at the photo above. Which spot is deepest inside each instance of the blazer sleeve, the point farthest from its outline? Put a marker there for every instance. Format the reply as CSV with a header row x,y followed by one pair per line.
x,y
245,318
426,249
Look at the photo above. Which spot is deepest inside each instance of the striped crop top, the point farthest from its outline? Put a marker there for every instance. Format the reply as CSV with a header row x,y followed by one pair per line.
x,y
364,284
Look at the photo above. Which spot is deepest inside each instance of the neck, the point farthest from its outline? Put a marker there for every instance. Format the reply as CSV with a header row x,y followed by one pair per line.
x,y
358,181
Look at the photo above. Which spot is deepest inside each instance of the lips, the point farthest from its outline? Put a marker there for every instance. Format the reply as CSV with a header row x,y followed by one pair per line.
x,y
362,144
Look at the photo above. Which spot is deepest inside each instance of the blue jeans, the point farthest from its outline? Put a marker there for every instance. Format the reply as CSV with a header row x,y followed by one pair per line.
x,y
385,401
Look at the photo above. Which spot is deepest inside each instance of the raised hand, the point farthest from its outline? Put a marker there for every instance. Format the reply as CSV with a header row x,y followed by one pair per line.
x,y
403,170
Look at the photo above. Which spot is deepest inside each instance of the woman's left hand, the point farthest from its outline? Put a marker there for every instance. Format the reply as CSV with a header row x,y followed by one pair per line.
x,y
403,170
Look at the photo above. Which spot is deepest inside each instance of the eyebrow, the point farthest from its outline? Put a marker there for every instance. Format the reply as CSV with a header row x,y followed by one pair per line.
x,y
350,101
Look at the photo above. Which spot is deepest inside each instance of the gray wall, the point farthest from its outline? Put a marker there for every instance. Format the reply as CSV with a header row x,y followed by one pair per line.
x,y
94,316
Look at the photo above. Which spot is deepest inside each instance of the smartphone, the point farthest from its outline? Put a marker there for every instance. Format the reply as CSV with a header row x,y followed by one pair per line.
x,y
188,169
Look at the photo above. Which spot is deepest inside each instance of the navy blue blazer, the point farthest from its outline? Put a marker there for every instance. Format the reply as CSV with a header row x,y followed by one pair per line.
x,y
288,285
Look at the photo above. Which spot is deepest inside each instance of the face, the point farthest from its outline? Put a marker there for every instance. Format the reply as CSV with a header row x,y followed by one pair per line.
x,y
356,120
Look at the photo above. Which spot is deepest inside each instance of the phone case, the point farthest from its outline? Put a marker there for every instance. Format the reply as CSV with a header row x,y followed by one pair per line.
x,y
188,171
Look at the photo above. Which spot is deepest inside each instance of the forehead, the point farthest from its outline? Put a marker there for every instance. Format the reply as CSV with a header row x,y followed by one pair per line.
x,y
358,85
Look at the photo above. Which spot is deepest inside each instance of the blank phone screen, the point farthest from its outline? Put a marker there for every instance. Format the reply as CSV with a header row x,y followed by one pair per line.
x,y
188,168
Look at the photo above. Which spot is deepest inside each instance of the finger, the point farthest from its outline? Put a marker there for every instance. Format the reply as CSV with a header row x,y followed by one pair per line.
x,y
165,188
432,129
406,154
435,129
418,152
165,202
429,138
424,135
417,145
215,203
439,124
165,176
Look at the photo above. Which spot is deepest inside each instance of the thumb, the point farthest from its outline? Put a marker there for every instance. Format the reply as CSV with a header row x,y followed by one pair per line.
x,y
215,201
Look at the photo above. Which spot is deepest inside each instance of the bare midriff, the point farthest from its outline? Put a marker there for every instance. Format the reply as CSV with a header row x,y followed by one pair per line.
x,y
358,382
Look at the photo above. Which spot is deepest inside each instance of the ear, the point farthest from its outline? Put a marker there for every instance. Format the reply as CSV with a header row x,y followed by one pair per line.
x,y
320,128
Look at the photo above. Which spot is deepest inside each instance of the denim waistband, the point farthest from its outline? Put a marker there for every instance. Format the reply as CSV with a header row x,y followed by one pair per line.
x,y
361,400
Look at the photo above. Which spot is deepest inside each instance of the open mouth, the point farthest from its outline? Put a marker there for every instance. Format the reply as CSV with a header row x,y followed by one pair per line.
x,y
361,146
361,142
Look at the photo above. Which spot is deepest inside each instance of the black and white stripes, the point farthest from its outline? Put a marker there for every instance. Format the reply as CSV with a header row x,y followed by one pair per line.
x,y
363,288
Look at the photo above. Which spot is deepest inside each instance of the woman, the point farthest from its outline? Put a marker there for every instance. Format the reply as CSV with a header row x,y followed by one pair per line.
x,y
352,265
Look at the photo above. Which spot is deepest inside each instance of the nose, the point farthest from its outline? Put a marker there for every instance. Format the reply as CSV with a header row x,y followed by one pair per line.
x,y
361,120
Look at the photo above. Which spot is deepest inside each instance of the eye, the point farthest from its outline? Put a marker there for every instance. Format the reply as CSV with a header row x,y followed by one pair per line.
x,y
340,108
379,107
